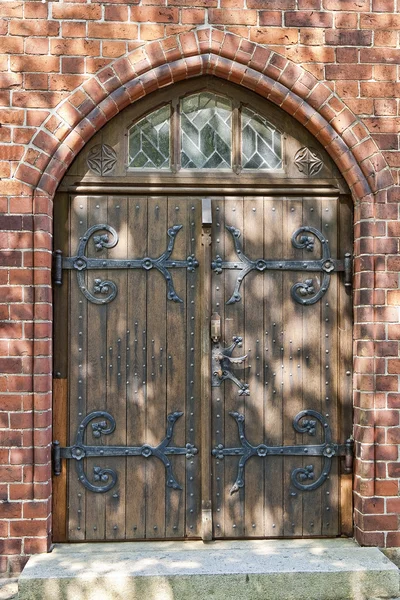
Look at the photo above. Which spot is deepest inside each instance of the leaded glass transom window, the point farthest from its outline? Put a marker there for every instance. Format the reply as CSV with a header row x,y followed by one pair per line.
x,y
202,133
149,141
206,132
261,143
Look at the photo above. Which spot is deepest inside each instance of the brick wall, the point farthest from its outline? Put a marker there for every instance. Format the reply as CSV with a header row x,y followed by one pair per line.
x,y
50,49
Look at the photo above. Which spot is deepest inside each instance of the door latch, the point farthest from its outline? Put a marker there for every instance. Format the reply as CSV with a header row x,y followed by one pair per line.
x,y
222,362
215,329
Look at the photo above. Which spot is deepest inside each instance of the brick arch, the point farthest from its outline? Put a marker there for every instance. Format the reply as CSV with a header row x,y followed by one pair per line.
x,y
191,54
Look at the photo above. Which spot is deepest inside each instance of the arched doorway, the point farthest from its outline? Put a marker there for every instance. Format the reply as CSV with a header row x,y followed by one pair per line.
x,y
200,221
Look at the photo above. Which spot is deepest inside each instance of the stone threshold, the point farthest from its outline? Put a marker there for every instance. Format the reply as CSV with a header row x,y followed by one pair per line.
x,y
334,569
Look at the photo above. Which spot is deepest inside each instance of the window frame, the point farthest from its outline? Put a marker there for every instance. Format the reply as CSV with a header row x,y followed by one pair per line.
x,y
236,168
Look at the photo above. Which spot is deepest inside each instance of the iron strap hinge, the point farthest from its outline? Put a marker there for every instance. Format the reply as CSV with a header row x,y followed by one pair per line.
x,y
105,479
303,238
303,478
105,291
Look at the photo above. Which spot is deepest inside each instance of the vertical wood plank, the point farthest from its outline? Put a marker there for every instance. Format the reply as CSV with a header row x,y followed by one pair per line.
x,y
97,369
291,344
175,365
78,370
155,335
314,371
273,390
220,486
330,364
233,326
136,369
193,373
116,370
253,298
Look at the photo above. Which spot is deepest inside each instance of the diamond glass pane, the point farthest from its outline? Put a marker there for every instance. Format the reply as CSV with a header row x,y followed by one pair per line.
x,y
261,143
149,141
206,136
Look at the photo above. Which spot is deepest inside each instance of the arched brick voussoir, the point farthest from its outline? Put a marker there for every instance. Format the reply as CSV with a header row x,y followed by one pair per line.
x,y
210,51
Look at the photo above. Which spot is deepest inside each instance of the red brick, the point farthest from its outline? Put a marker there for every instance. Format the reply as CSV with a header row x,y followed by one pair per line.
x,y
154,14
272,4
77,11
380,21
349,38
195,16
112,30
348,72
11,45
11,510
308,19
11,9
227,16
75,46
274,36
10,546
35,545
272,18
34,27
36,10
73,29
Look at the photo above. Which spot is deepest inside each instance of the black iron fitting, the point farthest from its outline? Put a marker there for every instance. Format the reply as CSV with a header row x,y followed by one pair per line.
x,y
104,291
302,478
304,292
102,423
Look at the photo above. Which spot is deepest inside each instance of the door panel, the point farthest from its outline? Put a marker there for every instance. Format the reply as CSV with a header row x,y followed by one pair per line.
x,y
292,365
135,358
131,353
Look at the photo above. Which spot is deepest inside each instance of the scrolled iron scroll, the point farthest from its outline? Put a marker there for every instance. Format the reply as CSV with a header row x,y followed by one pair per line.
x,y
107,289
303,424
78,452
304,292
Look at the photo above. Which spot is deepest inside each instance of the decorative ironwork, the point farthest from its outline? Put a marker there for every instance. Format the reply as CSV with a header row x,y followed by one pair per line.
x,y
301,240
105,479
107,290
102,159
222,362
308,161
300,476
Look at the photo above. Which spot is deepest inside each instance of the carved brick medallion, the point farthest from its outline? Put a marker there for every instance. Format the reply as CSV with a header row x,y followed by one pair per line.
x,y
308,161
102,159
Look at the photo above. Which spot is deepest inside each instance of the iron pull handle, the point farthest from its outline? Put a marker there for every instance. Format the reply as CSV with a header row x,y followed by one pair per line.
x,y
235,360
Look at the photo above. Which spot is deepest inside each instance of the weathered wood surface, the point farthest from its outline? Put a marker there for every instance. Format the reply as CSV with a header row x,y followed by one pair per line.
x,y
139,357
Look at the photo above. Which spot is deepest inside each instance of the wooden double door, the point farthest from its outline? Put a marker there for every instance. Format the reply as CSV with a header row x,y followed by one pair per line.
x,y
202,367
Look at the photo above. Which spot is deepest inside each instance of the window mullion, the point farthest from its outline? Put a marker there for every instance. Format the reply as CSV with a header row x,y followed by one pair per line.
x,y
236,162
175,139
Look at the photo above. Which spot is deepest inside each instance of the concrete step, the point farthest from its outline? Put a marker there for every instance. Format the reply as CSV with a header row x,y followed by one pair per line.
x,y
333,569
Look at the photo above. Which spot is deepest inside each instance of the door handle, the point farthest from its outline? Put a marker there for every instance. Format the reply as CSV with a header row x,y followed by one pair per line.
x,y
222,361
